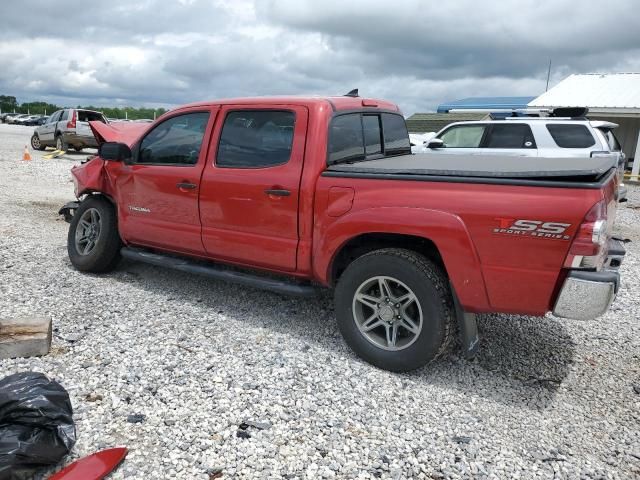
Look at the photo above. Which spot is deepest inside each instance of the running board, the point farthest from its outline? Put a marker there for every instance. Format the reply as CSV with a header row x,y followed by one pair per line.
x,y
219,273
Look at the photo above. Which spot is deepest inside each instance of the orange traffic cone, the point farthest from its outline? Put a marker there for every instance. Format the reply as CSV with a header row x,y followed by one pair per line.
x,y
26,156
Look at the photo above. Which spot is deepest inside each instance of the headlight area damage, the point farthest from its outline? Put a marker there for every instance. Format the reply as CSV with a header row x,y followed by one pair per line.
x,y
93,176
87,178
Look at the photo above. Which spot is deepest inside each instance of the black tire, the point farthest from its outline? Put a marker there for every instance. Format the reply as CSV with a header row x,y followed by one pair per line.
x,y
60,143
429,285
36,144
105,254
77,149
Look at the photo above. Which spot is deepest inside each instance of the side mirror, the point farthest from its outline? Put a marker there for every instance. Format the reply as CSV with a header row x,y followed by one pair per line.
x,y
435,143
115,152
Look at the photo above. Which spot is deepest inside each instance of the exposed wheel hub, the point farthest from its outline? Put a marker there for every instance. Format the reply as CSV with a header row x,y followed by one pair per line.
x,y
387,313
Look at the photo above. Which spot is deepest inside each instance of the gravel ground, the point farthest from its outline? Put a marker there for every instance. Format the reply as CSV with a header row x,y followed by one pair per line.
x,y
545,398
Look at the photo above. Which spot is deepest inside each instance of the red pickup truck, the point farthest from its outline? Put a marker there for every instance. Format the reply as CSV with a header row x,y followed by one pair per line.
x,y
293,194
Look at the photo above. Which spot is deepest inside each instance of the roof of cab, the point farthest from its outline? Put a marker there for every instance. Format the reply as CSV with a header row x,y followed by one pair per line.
x,y
337,103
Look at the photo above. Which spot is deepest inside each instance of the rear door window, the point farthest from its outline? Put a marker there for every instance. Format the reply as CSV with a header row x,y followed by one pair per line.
x,y
517,135
571,135
463,136
65,115
256,138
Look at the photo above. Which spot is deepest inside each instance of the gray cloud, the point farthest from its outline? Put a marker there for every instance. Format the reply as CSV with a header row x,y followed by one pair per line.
x,y
416,53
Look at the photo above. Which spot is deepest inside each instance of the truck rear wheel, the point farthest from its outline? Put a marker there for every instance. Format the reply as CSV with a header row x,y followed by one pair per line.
x,y
394,309
93,242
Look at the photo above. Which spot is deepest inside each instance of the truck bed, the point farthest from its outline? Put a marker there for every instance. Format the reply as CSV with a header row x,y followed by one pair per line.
x,y
582,172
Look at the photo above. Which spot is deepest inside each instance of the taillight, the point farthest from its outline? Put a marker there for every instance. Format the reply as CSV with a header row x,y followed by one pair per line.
x,y
72,123
589,247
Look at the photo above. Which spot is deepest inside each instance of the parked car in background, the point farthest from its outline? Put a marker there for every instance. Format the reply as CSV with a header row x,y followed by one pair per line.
x,y
554,137
21,119
4,117
41,121
16,119
67,128
31,120
419,141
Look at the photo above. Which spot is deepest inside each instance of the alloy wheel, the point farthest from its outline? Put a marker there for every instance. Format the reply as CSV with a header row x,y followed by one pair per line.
x,y
387,313
88,231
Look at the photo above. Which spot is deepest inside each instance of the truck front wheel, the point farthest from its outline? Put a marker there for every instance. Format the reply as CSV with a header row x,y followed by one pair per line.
x,y
93,242
394,309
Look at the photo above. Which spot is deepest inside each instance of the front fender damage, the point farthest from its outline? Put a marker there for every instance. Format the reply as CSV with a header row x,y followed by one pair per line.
x,y
88,178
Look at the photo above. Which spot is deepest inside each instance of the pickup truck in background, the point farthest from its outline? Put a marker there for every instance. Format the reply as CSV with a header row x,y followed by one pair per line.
x,y
293,194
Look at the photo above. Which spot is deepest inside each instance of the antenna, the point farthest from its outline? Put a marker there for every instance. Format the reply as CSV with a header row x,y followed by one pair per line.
x,y
548,75
352,93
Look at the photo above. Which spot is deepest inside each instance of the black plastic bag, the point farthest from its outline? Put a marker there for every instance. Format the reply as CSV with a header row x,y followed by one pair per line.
x,y
36,424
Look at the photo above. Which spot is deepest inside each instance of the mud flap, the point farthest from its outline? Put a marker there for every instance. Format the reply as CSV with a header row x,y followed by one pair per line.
x,y
68,209
467,328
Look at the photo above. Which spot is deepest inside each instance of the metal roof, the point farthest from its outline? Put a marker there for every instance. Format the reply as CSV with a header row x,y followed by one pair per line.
x,y
485,103
600,92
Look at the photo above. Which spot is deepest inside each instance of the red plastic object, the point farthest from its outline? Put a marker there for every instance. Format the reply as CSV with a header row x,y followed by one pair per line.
x,y
94,467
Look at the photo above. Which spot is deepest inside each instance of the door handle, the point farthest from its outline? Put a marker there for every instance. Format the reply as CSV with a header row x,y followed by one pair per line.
x,y
186,186
278,192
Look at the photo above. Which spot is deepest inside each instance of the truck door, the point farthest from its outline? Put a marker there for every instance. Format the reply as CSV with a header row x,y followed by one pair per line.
x,y
251,184
158,193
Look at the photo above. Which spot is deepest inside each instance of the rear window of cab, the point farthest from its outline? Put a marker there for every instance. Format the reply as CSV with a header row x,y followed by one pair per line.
x,y
362,135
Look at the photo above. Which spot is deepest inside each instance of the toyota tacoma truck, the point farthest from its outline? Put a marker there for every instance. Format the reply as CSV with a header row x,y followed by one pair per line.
x,y
294,194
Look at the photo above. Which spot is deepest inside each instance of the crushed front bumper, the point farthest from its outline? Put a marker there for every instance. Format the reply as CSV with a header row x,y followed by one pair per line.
x,y
587,295
68,210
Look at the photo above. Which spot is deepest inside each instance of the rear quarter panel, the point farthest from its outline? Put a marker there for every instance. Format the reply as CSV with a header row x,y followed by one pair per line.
x,y
490,270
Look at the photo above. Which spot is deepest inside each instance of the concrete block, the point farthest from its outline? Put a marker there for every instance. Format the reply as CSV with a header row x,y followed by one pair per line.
x,y
25,337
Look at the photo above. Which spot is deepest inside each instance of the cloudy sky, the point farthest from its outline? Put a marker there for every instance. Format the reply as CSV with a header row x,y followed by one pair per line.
x,y
416,53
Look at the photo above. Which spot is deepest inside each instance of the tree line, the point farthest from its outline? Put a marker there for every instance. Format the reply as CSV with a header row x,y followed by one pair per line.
x,y
9,103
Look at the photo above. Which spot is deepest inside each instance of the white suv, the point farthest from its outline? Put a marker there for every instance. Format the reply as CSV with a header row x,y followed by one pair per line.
x,y
532,137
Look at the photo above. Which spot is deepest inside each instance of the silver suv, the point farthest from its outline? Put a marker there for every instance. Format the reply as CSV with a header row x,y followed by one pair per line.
x,y
67,128
533,137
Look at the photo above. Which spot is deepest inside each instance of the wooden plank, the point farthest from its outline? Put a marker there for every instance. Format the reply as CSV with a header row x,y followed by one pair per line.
x,y
25,337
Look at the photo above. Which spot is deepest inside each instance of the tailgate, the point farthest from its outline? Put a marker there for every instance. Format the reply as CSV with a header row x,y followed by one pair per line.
x,y
83,129
83,117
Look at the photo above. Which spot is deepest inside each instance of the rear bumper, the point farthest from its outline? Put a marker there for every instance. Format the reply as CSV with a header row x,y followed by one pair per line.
x,y
587,295
79,140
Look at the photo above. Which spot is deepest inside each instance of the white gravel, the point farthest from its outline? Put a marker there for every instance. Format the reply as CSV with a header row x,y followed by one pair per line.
x,y
545,398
